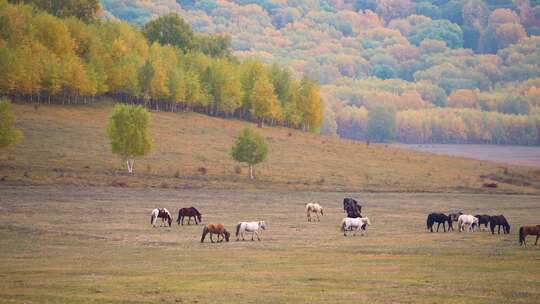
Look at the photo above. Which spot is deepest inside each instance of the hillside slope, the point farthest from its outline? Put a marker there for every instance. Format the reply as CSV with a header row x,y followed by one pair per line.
x,y
69,145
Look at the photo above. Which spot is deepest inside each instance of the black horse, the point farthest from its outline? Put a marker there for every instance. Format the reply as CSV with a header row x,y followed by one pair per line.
x,y
483,219
352,207
499,220
439,218
189,212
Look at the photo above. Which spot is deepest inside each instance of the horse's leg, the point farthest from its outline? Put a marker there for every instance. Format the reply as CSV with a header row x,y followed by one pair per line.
x,y
317,214
182,220
438,225
499,231
536,243
444,226
211,239
189,220
258,237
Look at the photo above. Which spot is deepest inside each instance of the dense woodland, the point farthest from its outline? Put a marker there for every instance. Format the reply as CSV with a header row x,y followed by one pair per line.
x,y
415,71
446,70
55,53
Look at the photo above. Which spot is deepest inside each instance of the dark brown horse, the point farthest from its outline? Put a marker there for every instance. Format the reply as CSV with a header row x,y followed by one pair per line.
x,y
189,212
218,229
483,219
352,207
498,221
528,230
439,218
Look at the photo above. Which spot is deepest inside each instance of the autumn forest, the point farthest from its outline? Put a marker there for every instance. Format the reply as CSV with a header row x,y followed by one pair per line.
x,y
412,71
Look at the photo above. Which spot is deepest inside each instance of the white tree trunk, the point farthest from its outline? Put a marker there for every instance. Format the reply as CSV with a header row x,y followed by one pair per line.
x,y
130,165
250,171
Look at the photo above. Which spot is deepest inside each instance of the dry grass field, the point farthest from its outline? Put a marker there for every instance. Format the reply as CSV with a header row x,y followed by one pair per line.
x,y
74,227
69,244
69,145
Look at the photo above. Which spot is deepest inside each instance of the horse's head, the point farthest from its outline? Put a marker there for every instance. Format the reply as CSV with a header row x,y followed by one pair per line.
x,y
199,217
169,220
322,213
262,224
227,234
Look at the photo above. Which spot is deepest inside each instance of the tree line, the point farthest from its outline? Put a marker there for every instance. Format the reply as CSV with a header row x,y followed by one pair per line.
x,y
165,66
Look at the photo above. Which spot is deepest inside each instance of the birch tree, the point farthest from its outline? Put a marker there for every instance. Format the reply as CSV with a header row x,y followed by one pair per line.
x,y
128,133
249,148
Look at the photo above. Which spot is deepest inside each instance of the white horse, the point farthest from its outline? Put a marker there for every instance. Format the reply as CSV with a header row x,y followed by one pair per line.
x,y
162,213
313,208
253,227
469,220
355,224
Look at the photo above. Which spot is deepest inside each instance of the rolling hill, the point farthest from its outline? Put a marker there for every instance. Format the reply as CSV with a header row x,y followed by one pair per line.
x,y
69,145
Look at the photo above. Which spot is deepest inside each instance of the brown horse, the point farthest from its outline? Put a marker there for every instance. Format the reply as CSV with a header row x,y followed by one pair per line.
x,y
218,229
528,230
189,212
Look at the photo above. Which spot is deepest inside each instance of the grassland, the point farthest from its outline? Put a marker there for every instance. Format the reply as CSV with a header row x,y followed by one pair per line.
x,y
69,145
69,244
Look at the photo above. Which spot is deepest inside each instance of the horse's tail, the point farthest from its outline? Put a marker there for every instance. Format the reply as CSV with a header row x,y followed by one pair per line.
x,y
204,232
343,224
521,235
238,229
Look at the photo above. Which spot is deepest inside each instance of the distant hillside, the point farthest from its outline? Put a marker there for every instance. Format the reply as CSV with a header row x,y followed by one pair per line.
x,y
68,144
478,59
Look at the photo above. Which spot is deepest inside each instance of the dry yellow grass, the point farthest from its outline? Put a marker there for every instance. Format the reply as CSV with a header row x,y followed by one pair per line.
x,y
66,244
69,145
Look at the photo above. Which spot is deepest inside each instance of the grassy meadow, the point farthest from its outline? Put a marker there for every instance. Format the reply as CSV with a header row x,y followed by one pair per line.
x,y
69,145
69,244
74,227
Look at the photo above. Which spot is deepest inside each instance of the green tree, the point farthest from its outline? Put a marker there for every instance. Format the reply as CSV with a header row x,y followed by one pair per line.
x,y
128,133
443,30
249,147
170,29
381,123
8,134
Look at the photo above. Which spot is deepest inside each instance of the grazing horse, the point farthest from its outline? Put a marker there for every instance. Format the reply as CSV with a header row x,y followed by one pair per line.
x,y
439,218
190,212
218,229
352,207
162,213
528,230
483,219
469,220
253,227
499,220
313,208
355,224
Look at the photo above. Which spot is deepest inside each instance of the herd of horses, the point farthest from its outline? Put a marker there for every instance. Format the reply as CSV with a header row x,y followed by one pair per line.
x,y
218,229
354,222
473,222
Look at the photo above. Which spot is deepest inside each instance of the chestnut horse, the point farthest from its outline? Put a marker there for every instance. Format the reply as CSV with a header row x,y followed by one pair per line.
x,y
218,229
528,230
